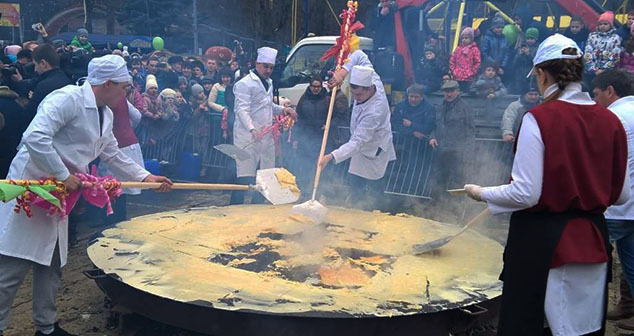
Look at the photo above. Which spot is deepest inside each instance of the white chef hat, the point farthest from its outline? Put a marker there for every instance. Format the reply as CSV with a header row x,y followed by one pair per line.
x,y
266,55
361,75
108,68
552,48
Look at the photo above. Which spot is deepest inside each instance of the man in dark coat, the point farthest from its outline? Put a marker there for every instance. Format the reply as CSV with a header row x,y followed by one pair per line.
x,y
382,23
453,137
414,115
15,123
50,77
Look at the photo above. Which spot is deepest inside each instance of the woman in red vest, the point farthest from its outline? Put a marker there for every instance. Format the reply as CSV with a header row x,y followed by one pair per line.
x,y
570,165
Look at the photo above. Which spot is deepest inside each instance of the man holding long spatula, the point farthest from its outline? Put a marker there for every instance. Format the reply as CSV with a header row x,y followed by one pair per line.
x,y
73,127
370,147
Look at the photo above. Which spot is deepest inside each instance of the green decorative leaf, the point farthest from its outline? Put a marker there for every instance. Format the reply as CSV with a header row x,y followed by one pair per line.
x,y
10,191
42,192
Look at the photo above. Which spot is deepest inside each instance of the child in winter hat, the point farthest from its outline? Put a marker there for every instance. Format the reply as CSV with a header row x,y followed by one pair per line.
x,y
532,34
150,82
603,49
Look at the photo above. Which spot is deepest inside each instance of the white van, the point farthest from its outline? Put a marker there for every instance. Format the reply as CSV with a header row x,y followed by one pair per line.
x,y
303,61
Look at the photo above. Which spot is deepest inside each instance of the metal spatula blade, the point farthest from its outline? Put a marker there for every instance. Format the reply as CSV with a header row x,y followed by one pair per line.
x,y
233,151
269,186
435,244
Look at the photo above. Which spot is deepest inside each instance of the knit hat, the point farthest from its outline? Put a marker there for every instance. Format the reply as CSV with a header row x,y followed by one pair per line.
x,y
207,80
467,32
182,80
82,32
168,93
150,82
196,89
430,48
532,33
607,16
498,22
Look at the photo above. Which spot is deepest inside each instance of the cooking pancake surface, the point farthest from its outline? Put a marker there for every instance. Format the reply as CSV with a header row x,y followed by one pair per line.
x,y
260,258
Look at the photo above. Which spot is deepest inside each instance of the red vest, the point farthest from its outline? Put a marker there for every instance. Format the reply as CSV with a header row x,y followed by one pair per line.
x,y
585,157
121,124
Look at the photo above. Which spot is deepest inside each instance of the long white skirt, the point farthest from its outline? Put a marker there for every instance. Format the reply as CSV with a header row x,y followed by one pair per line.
x,y
574,298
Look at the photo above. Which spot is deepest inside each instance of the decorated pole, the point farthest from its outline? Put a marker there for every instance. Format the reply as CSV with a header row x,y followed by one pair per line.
x,y
342,49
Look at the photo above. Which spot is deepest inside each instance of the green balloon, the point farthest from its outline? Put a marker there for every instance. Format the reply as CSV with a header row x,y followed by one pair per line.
x,y
120,45
510,32
158,43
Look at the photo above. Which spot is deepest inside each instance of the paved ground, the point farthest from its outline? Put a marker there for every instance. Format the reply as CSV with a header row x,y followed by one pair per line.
x,y
81,303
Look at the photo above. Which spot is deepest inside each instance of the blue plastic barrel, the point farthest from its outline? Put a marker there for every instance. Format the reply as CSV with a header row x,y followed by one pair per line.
x,y
153,166
189,166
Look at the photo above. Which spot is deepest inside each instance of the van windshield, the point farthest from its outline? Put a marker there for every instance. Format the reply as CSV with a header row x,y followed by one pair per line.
x,y
305,63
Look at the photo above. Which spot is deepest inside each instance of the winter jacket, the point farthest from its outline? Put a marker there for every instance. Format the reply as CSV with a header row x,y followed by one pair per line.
x,y
430,73
312,110
627,61
151,106
46,83
454,127
384,28
521,65
15,123
86,46
581,38
422,116
465,62
495,49
603,50
485,86
513,115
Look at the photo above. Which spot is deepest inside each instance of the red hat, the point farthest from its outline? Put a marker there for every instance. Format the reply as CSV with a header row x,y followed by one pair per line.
x,y
607,16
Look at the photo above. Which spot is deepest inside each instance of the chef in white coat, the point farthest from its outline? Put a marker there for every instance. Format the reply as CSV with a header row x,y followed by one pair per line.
x,y
254,109
370,147
73,127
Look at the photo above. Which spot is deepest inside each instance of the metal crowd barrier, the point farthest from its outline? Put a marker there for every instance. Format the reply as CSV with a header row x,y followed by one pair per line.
x,y
411,174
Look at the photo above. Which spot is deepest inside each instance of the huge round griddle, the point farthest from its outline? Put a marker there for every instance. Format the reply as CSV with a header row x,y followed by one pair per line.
x,y
259,260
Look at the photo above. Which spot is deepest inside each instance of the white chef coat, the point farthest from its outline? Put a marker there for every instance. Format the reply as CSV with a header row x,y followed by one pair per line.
x,y
63,138
624,109
254,109
574,292
370,129
371,133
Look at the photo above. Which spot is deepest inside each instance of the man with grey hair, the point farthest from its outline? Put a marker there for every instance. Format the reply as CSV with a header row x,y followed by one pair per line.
x,y
73,126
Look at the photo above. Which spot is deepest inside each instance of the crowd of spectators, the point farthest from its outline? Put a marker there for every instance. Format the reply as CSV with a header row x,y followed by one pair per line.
x,y
490,61
179,93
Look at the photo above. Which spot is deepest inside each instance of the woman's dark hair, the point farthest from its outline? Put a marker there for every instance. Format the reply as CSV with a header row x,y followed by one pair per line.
x,y
225,72
565,71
